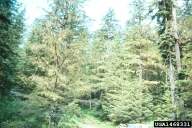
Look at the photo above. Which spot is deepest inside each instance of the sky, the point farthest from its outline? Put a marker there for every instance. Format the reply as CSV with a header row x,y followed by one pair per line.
x,y
33,9
95,9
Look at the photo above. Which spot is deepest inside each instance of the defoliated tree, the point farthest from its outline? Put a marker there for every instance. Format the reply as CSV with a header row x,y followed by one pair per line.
x,y
56,49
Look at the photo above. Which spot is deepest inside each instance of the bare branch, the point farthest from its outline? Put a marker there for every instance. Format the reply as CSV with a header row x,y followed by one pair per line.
x,y
44,60
63,61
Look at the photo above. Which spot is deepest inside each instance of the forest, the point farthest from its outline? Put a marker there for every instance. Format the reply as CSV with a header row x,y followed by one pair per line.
x,y
65,74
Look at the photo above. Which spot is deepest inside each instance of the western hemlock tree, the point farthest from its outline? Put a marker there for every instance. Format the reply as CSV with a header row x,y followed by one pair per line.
x,y
130,86
102,52
169,42
11,30
56,48
12,26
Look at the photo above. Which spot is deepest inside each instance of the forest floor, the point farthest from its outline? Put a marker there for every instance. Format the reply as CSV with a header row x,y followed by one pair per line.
x,y
89,121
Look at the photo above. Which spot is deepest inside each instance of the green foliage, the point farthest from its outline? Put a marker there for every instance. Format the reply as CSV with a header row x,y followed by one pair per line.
x,y
102,53
166,45
184,76
12,26
9,110
163,110
163,13
69,78
131,59
69,116
55,51
121,104
187,6
88,117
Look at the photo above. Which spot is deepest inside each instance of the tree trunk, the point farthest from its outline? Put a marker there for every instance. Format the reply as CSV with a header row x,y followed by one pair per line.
x,y
90,104
140,67
177,55
140,73
140,81
49,126
56,69
166,77
101,95
176,37
171,76
52,107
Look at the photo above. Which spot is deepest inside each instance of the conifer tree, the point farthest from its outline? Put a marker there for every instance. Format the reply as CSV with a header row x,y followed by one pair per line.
x,y
12,26
55,49
184,75
132,62
11,30
102,52
169,43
